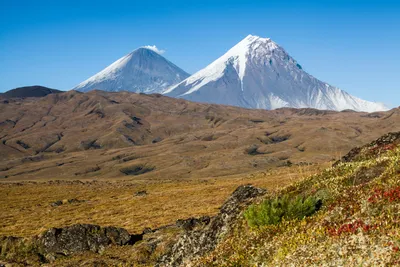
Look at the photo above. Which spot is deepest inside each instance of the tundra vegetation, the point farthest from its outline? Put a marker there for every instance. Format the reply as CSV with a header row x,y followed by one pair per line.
x,y
347,215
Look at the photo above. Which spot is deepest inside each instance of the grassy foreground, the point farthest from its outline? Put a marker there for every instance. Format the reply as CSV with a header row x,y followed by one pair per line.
x,y
358,223
26,210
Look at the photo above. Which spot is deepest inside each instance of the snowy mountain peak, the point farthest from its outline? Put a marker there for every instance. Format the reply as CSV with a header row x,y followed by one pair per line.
x,y
257,39
258,73
143,70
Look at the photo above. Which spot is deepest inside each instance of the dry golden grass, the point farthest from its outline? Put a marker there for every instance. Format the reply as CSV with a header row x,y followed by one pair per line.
x,y
25,209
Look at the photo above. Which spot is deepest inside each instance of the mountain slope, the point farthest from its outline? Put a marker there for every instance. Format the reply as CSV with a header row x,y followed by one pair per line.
x,y
257,73
141,71
29,91
180,139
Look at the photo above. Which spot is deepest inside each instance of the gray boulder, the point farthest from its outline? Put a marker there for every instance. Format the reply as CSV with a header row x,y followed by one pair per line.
x,y
80,238
199,241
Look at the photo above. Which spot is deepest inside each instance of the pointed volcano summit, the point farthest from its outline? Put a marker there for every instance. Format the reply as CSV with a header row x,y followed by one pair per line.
x,y
258,73
141,71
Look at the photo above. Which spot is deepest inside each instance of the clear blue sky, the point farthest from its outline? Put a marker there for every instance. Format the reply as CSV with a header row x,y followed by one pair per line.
x,y
351,44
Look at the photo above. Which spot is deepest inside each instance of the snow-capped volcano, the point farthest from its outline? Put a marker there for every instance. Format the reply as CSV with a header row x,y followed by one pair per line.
x,y
141,71
257,73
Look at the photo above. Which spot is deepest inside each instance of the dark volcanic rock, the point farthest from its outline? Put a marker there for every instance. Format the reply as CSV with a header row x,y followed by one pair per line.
x,y
59,242
74,200
381,144
80,238
191,223
192,244
56,203
141,193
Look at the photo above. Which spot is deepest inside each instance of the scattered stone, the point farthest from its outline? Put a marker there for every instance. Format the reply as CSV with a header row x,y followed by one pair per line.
x,y
57,203
74,200
141,193
66,201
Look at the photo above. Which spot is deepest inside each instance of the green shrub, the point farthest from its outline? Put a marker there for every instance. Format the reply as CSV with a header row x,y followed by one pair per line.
x,y
272,211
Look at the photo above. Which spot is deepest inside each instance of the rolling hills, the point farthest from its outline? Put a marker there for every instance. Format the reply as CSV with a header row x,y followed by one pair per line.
x,y
123,135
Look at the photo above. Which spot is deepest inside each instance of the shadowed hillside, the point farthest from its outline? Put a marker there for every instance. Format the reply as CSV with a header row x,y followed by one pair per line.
x,y
29,91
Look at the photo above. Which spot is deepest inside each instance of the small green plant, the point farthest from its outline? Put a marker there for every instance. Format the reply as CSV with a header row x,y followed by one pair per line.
x,y
273,211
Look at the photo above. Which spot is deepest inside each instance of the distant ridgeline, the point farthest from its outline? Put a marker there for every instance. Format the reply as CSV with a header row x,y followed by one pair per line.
x,y
29,91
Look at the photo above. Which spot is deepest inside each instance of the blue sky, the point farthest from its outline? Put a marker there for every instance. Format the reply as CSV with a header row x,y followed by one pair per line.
x,y
351,44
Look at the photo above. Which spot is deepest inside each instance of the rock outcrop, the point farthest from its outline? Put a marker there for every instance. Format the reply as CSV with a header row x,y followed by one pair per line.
x,y
179,243
80,238
384,143
197,242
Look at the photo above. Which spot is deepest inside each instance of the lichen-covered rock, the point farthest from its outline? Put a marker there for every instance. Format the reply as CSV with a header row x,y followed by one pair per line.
x,y
59,242
199,241
384,143
80,238
191,223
